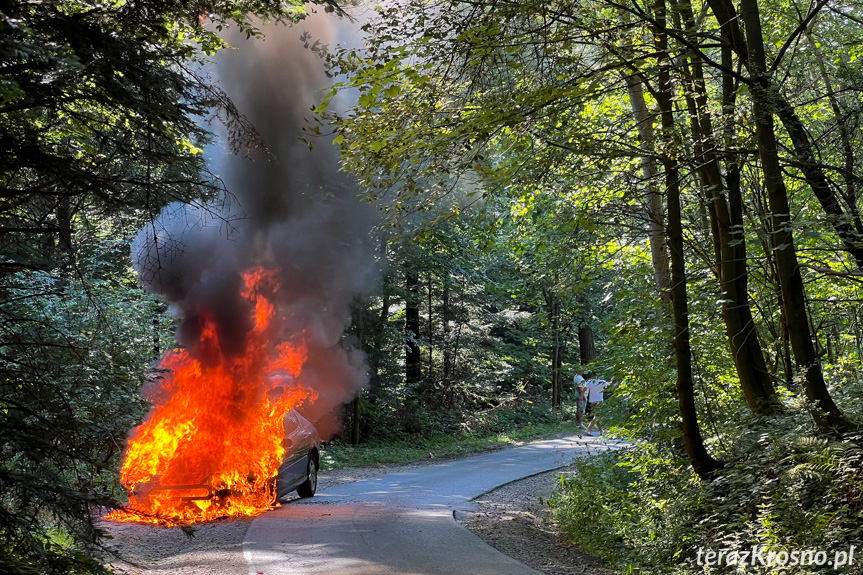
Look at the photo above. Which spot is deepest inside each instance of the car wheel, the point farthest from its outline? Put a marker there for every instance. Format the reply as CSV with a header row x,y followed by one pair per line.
x,y
308,488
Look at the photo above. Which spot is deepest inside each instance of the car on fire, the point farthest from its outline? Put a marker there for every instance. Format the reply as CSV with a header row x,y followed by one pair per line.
x,y
297,472
300,464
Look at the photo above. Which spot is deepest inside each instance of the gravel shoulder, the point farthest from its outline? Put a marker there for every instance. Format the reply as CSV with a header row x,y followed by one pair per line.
x,y
512,519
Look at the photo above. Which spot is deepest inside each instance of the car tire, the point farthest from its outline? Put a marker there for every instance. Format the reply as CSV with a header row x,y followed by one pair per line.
x,y
308,488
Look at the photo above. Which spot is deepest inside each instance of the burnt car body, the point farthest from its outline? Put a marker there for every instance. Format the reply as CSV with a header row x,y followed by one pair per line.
x,y
299,468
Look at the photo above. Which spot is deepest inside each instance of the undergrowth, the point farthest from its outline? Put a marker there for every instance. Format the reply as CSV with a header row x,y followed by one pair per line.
x,y
784,488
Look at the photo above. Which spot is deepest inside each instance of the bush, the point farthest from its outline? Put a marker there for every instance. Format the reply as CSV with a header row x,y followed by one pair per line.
x,y
782,488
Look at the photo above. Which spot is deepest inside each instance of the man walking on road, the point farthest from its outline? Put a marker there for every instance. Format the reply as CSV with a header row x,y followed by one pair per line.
x,y
595,388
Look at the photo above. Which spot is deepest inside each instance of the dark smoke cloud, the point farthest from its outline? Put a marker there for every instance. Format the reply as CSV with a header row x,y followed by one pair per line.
x,y
297,213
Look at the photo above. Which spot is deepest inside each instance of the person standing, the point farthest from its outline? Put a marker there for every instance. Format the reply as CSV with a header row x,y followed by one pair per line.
x,y
580,397
595,389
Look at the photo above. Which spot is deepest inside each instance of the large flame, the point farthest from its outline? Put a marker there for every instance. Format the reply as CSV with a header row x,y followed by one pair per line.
x,y
212,442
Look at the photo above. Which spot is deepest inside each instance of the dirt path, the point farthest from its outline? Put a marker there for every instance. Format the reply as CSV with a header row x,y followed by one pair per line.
x,y
511,519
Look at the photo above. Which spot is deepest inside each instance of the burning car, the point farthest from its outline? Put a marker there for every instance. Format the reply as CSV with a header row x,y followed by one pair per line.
x,y
211,498
223,437
299,468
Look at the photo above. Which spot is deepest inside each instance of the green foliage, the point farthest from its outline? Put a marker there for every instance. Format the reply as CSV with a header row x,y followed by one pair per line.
x,y
511,121
524,105
487,294
783,488
589,501
101,109
73,354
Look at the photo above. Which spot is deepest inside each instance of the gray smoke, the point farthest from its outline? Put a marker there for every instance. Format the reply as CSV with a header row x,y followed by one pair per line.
x,y
296,213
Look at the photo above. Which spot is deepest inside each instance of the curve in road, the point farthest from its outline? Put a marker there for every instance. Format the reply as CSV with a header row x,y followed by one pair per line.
x,y
403,523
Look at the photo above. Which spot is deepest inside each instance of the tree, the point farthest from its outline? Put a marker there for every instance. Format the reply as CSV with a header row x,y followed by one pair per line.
x,y
547,106
726,215
100,127
703,463
413,357
790,278
514,95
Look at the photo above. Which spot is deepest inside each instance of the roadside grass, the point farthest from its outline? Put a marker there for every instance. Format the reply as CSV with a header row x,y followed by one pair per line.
x,y
340,455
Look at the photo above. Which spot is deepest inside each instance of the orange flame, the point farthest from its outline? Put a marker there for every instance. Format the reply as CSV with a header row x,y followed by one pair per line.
x,y
213,446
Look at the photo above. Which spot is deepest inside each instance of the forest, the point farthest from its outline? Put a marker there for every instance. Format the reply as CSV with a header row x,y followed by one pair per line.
x,y
666,192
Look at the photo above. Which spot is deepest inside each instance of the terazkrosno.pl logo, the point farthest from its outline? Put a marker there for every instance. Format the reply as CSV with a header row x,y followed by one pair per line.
x,y
760,555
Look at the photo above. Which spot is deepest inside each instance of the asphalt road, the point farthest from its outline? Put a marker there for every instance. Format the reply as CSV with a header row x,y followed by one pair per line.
x,y
402,523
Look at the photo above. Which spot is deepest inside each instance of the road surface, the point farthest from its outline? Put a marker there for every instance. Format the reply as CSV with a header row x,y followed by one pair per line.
x,y
402,523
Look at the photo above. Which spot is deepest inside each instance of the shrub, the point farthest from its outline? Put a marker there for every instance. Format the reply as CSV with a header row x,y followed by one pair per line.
x,y
782,488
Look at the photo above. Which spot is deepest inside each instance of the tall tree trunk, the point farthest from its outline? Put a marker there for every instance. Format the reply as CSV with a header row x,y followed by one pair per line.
x,y
556,360
586,345
430,330
559,350
64,225
359,309
461,316
730,239
764,95
360,312
553,305
702,462
445,336
376,351
653,198
413,358
783,346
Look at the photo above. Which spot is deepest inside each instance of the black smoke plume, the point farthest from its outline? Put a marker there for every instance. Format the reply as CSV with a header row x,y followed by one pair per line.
x,y
295,212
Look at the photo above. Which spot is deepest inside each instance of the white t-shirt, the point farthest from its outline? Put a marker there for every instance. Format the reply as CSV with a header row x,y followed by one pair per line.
x,y
595,388
578,380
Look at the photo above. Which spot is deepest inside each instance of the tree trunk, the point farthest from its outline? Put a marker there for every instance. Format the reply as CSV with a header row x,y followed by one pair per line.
x,y
430,375
447,350
64,225
456,346
702,462
376,351
826,413
653,197
360,312
586,346
556,359
730,241
553,306
559,350
413,358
